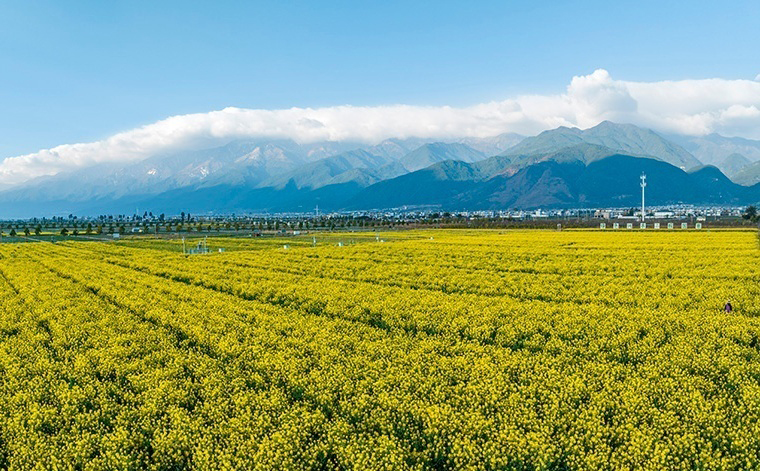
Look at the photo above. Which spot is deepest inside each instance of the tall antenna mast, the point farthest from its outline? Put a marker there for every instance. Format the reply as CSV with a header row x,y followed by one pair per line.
x,y
643,185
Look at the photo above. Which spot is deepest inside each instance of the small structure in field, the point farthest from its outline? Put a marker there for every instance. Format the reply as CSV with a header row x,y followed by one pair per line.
x,y
200,248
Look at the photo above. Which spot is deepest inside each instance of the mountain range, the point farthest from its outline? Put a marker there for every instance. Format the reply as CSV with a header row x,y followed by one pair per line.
x,y
563,167
625,138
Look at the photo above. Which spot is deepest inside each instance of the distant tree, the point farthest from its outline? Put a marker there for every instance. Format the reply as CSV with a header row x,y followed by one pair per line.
x,y
99,229
183,216
38,230
750,214
89,228
26,231
64,231
13,232
122,229
75,232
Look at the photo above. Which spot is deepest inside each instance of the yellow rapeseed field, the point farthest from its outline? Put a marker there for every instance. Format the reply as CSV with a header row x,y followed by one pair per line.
x,y
429,350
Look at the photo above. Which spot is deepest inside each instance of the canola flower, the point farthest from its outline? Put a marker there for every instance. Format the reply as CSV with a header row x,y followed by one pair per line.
x,y
474,350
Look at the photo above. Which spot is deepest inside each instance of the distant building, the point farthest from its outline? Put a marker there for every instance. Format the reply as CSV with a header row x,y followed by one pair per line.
x,y
603,214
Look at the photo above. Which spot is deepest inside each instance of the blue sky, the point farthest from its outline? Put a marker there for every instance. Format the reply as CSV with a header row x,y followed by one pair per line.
x,y
81,71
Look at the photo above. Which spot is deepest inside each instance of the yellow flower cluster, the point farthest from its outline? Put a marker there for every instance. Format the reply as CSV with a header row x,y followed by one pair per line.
x,y
538,350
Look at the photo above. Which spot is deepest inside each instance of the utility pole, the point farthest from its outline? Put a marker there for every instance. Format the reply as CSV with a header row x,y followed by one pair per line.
x,y
643,185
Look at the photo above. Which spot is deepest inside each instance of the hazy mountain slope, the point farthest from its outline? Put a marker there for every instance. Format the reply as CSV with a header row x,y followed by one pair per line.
x,y
714,148
395,149
623,138
368,176
237,163
547,141
319,173
366,168
749,175
634,140
429,154
398,148
511,164
492,145
733,164
439,182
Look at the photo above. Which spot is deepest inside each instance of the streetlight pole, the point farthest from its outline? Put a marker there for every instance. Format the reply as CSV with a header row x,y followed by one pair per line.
x,y
643,185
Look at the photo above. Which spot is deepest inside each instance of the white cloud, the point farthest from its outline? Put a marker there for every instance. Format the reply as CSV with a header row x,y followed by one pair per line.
x,y
695,107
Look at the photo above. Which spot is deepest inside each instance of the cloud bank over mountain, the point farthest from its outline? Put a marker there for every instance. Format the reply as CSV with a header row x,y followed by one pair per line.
x,y
692,107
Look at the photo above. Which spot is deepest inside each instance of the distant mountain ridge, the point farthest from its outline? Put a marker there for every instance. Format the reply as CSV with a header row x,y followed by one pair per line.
x,y
560,167
625,138
612,181
245,165
722,152
714,148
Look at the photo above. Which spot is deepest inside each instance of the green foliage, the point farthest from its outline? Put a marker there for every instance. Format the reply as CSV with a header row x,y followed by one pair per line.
x,y
751,214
